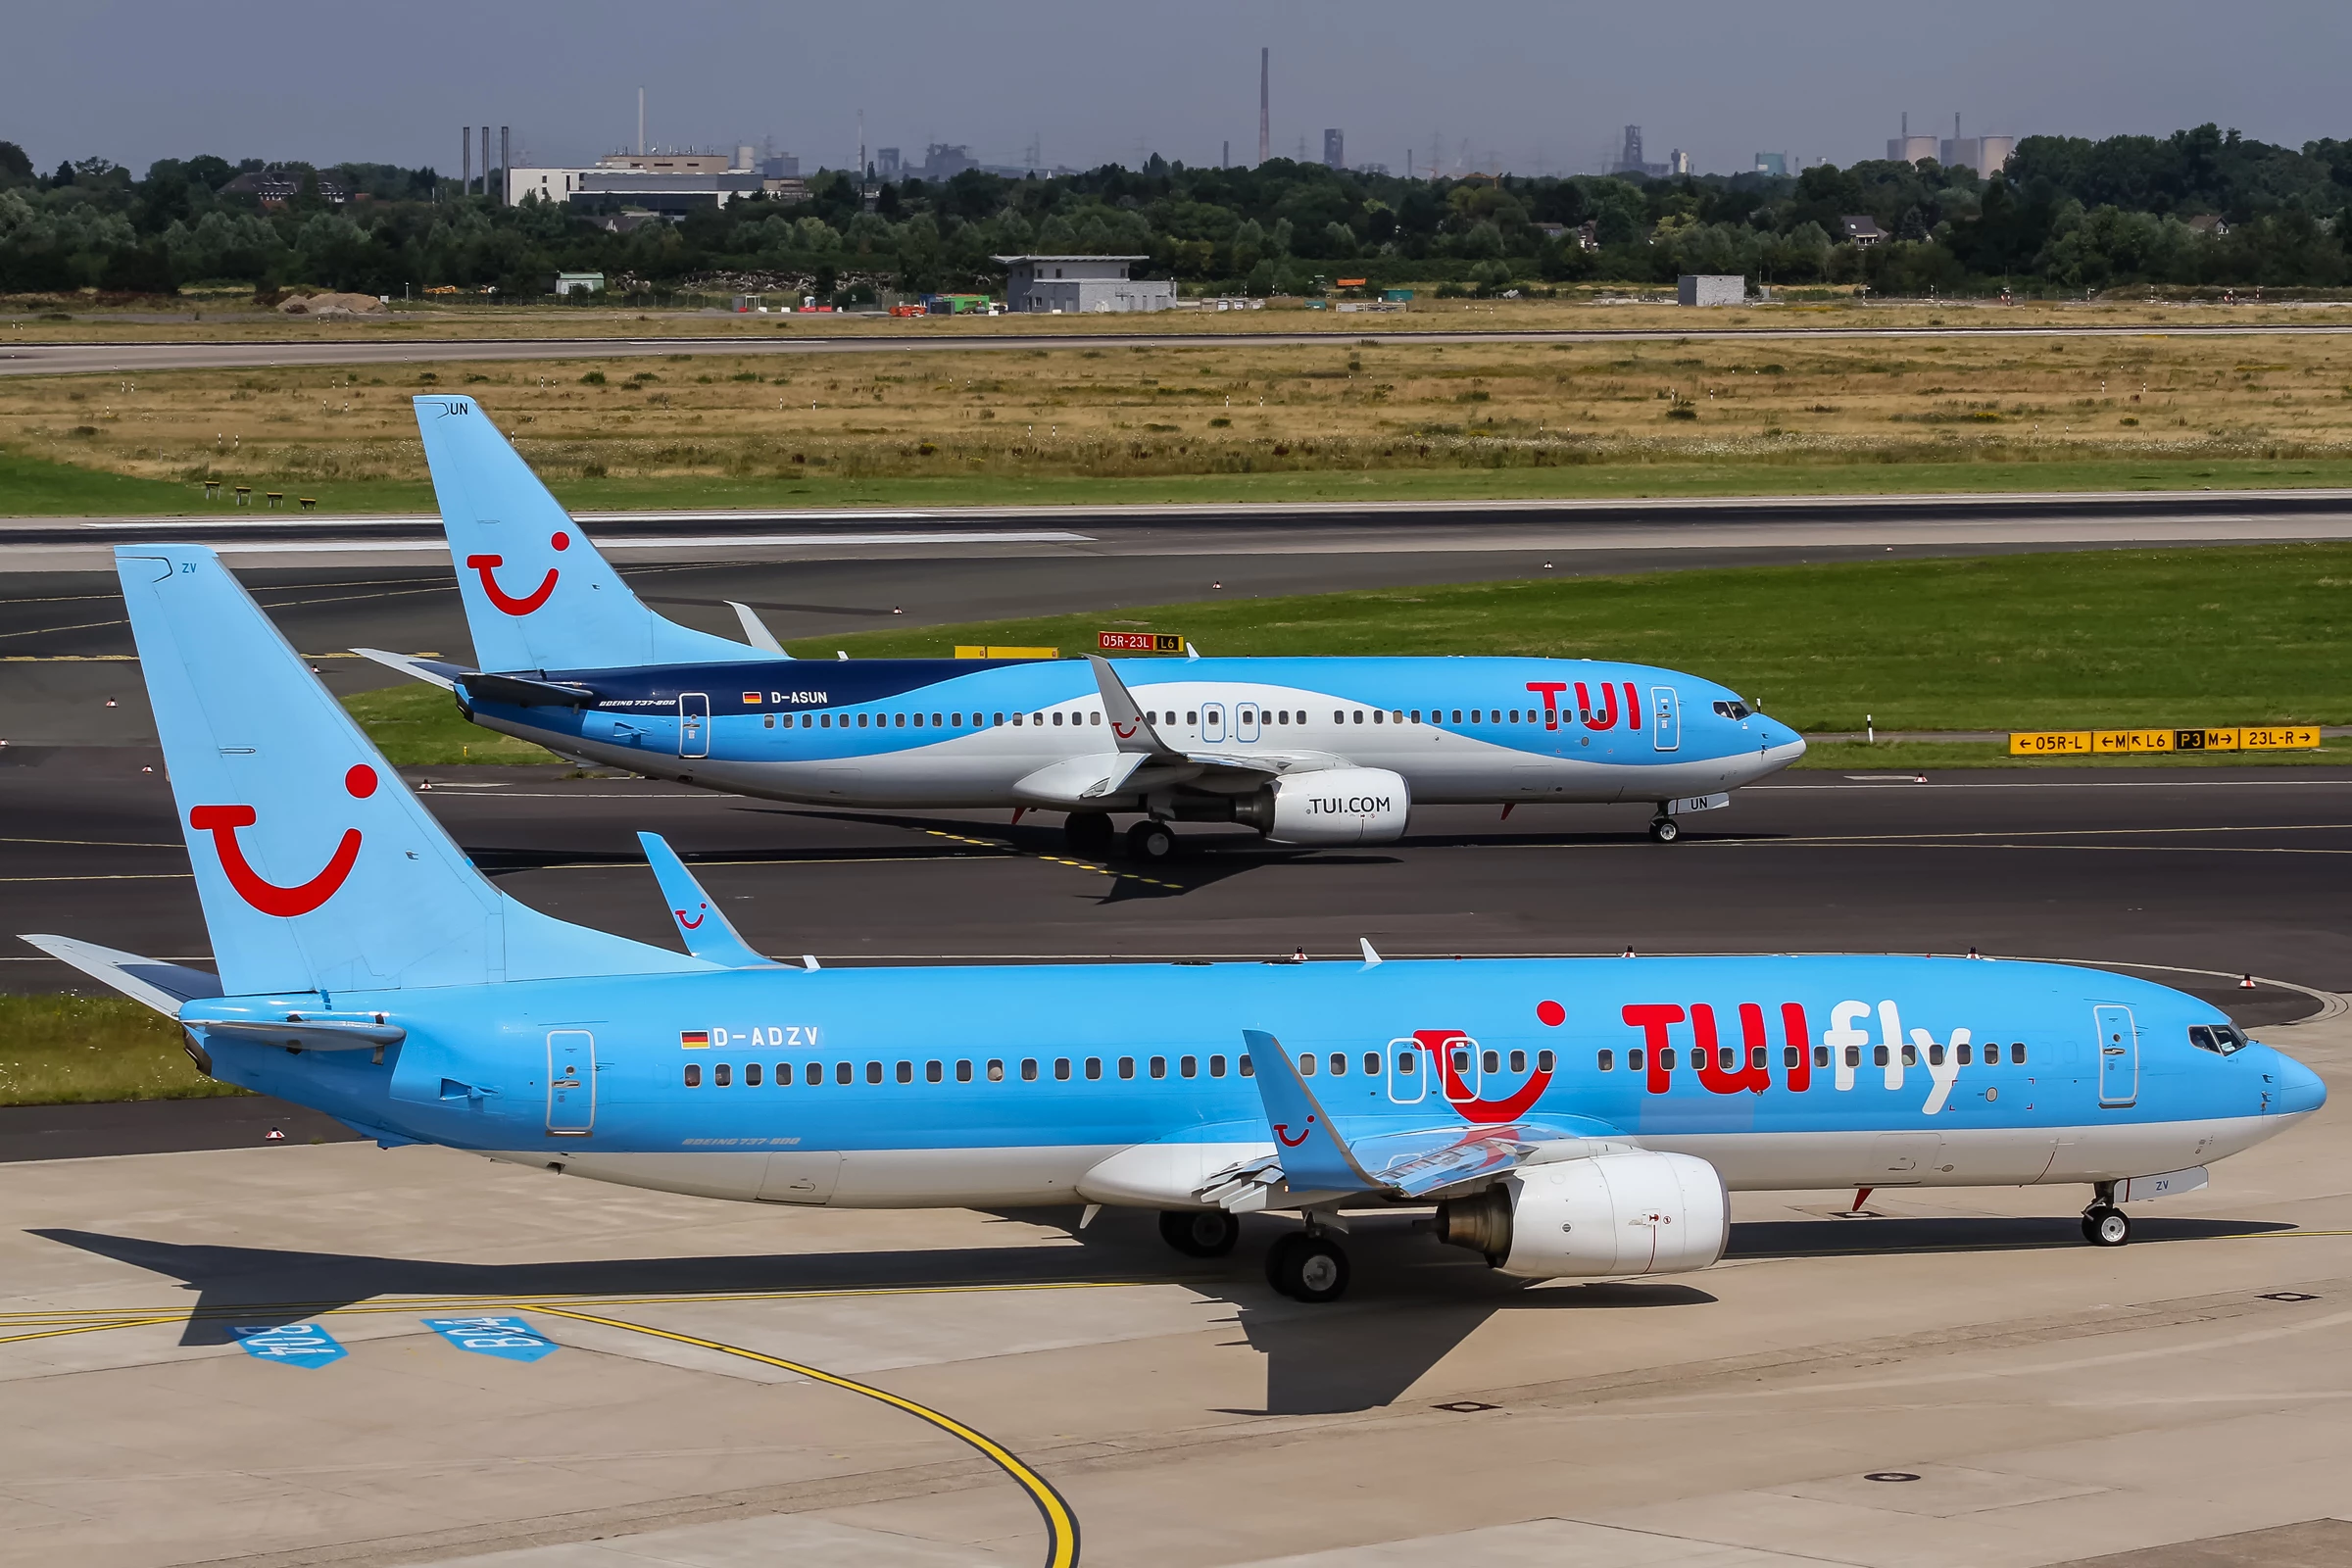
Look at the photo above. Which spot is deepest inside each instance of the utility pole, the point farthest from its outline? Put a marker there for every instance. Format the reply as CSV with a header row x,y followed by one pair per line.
x,y
641,122
465,161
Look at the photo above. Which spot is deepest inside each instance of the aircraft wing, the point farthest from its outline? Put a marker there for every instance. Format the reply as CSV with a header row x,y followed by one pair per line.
x,y
1318,1159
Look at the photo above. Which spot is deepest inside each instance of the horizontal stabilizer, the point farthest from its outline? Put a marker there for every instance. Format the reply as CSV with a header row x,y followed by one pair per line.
x,y
431,671
707,932
161,985
521,691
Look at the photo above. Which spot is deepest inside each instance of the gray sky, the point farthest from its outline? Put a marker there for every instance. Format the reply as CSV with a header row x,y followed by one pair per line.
x,y
1534,86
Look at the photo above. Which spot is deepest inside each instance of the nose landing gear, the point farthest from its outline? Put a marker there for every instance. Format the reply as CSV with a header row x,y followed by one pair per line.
x,y
1664,829
2104,1224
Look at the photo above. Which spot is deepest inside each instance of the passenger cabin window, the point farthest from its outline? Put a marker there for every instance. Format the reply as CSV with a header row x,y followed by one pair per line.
x,y
1028,1069
694,1075
963,1072
1544,1061
783,1072
996,1072
721,1073
1608,1062
751,1074
1160,1066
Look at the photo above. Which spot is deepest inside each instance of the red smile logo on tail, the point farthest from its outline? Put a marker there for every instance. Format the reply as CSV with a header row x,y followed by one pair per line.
x,y
1282,1131
694,924
486,566
222,822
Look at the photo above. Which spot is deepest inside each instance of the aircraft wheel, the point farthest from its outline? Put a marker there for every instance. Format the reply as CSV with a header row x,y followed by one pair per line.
x,y
2106,1227
1151,841
1089,835
1199,1232
1665,830
1307,1268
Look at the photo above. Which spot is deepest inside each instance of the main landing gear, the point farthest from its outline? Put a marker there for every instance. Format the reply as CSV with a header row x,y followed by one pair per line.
x,y
1199,1232
2104,1224
1091,837
1308,1266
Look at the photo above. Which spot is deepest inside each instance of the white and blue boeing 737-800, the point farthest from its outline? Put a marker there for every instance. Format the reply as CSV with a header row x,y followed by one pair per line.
x,y
1307,750
1568,1118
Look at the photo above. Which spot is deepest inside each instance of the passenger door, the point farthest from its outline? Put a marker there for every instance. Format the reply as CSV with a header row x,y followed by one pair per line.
x,y
1665,719
2119,1056
571,1082
694,724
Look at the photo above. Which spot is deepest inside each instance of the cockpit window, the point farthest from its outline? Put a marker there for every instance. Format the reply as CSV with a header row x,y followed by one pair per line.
x,y
2219,1038
1735,710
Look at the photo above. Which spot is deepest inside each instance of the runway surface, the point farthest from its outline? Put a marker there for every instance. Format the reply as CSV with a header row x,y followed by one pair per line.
x,y
2223,871
1959,1383
57,358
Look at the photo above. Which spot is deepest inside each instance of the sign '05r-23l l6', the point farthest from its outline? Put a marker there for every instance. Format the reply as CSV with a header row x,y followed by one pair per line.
x,y
1307,750
1568,1118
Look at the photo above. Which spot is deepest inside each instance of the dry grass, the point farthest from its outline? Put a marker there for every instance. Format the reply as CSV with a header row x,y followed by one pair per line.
x,y
1237,406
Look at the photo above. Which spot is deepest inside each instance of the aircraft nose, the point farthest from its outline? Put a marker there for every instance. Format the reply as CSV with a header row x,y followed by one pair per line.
x,y
1781,744
2299,1091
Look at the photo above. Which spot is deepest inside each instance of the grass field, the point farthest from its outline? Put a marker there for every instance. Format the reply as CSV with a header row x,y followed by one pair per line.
x,y
56,1050
2242,635
1233,419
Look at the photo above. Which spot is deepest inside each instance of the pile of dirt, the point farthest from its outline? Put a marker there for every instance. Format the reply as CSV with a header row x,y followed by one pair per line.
x,y
331,304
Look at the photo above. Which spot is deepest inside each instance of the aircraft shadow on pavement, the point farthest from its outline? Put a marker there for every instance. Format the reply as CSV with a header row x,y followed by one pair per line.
x,y
1843,1238
1411,1303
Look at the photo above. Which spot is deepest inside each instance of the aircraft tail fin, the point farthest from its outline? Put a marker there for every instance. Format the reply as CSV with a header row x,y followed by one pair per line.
x,y
537,593
317,868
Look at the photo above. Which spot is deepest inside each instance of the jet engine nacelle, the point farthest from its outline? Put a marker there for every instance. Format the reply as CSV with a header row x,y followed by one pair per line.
x,y
1337,805
1609,1215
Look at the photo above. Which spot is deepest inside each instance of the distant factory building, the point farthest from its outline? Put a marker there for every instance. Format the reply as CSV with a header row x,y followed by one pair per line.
x,y
1334,150
671,183
1072,284
277,185
1773,164
1710,289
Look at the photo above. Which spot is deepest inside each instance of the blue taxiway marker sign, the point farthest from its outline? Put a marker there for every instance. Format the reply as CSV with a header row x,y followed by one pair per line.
x,y
289,1343
508,1338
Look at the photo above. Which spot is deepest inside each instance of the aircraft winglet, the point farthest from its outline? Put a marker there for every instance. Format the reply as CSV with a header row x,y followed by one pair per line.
x,y
706,930
1314,1157
1133,731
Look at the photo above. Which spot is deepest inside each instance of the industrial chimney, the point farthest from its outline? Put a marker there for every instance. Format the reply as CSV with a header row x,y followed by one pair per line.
x,y
1265,122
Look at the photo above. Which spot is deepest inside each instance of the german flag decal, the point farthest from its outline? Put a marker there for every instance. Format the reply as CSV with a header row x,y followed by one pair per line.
x,y
751,699
694,1040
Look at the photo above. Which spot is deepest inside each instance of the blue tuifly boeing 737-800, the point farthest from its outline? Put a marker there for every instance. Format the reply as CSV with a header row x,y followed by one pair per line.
x,y
1307,751
1569,1118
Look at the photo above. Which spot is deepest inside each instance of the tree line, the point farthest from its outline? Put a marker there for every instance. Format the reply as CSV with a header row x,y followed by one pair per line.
x,y
2200,208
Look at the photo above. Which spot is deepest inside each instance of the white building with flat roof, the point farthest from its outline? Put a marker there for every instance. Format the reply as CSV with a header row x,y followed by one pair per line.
x,y
1071,284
